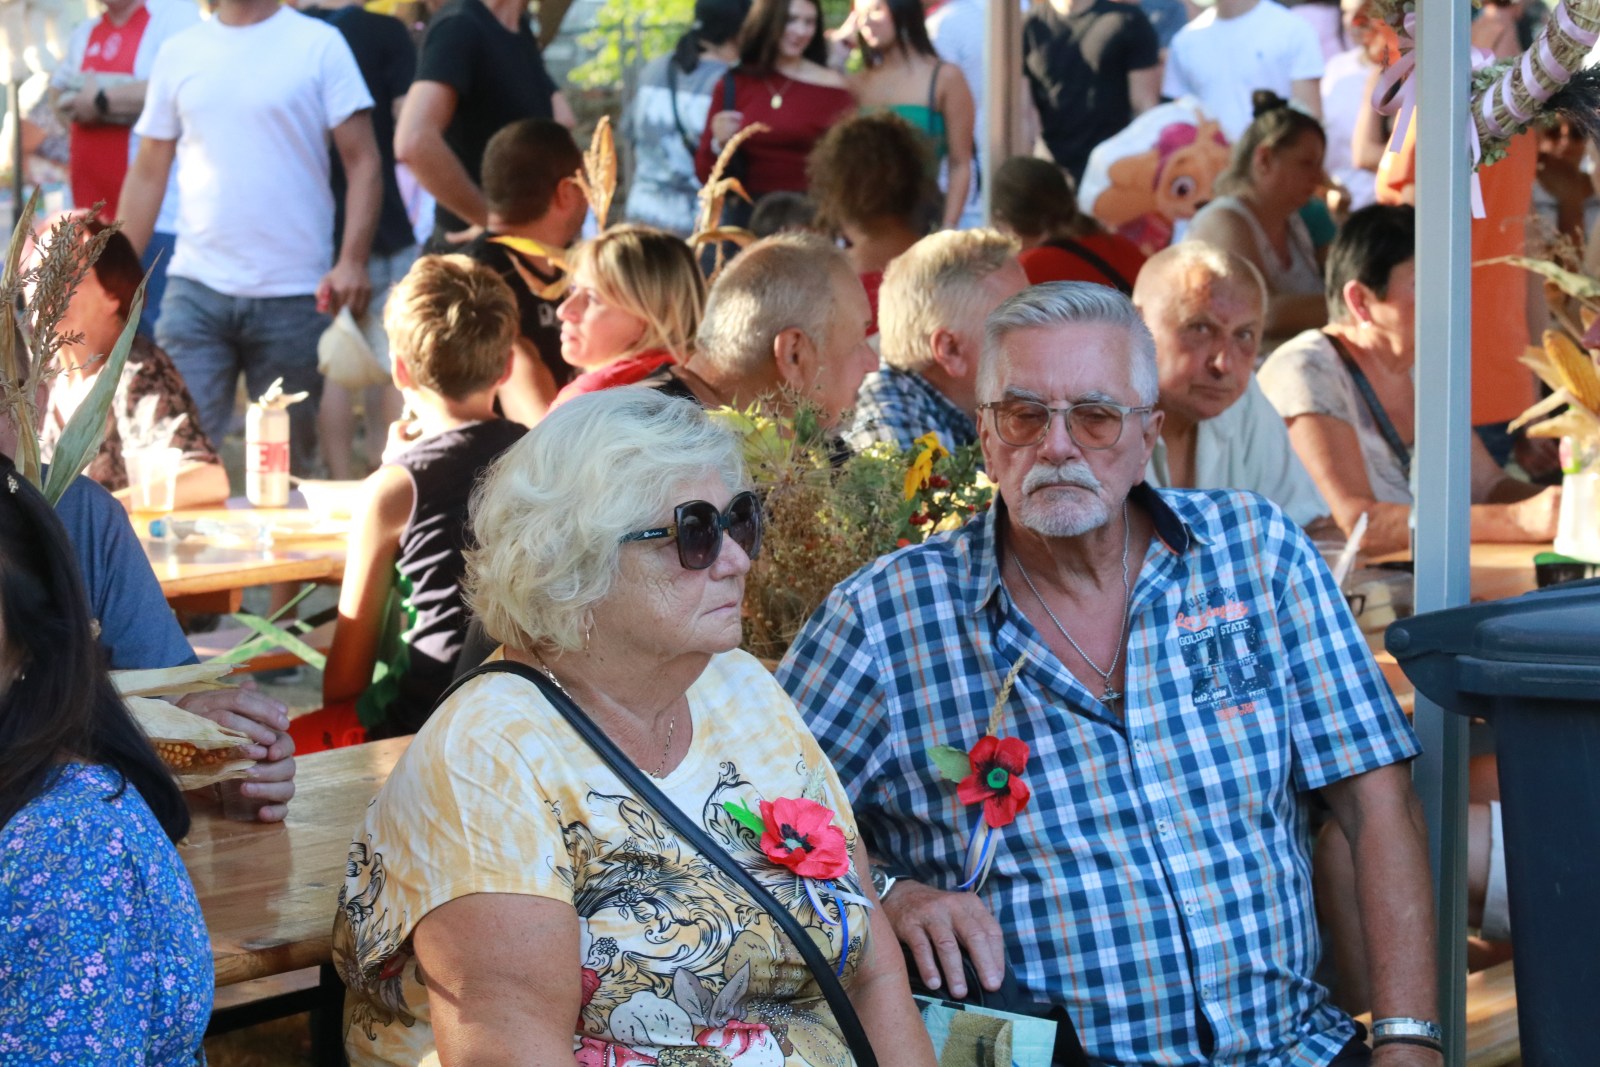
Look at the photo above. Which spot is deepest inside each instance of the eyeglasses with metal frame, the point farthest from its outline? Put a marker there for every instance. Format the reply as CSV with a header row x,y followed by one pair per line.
x,y
1094,425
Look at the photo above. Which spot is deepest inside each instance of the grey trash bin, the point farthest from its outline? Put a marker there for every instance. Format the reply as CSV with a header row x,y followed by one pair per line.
x,y
1531,667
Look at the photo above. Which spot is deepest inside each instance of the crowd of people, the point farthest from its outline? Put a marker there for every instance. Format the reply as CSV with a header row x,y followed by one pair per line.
x,y
1171,430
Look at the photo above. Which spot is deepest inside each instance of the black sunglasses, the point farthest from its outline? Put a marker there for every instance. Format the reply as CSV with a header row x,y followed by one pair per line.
x,y
698,525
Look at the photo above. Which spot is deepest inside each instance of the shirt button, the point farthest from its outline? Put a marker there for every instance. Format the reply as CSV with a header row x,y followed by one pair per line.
x,y
1189,908
1138,746
1163,826
1205,992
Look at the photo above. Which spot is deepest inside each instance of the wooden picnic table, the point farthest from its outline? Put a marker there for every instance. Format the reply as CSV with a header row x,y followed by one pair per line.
x,y
205,573
269,890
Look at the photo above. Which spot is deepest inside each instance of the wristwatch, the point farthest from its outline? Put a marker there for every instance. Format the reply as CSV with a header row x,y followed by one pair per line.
x,y
102,106
882,880
1407,1031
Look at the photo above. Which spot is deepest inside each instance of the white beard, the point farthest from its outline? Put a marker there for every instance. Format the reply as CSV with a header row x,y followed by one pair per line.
x,y
1062,514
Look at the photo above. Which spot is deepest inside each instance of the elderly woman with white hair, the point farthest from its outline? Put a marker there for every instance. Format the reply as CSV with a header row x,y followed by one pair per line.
x,y
618,844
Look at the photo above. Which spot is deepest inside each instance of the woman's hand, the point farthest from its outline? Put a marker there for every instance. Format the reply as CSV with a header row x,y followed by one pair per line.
x,y
724,124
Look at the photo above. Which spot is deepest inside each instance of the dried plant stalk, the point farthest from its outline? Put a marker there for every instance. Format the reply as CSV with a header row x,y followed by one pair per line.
x,y
598,178
714,193
30,342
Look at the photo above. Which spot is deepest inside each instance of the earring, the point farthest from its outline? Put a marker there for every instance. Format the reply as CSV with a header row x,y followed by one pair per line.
x,y
588,631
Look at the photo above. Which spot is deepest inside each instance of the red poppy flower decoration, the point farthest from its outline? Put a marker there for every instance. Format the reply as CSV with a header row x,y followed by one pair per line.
x,y
799,834
995,779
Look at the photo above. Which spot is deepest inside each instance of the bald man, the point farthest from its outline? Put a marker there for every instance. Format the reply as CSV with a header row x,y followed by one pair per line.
x,y
1205,307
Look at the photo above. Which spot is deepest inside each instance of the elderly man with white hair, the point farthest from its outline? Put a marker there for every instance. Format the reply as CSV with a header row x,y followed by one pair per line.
x,y
931,309
1175,673
1206,306
785,323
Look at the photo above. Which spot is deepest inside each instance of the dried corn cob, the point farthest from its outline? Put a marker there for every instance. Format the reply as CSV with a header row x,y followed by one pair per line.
x,y
1578,375
182,755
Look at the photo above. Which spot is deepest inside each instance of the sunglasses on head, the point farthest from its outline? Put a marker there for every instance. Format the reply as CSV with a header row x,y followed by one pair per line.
x,y
698,525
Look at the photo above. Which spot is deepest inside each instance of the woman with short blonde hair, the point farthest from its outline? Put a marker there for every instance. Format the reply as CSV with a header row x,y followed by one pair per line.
x,y
515,896
634,307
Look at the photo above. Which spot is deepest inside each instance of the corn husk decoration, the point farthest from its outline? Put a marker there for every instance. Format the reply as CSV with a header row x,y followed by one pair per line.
x,y
197,751
708,227
598,178
1573,407
172,681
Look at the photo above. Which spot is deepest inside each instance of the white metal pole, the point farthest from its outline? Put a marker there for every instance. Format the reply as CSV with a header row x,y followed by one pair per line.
x,y
1441,545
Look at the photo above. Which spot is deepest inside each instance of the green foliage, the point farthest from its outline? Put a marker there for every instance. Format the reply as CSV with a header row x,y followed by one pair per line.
x,y
626,33
952,763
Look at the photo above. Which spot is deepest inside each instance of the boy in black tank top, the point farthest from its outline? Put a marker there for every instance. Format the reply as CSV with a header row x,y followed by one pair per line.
x,y
451,323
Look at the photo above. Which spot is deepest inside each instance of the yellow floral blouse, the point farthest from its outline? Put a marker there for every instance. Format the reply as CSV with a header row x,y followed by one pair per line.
x,y
679,967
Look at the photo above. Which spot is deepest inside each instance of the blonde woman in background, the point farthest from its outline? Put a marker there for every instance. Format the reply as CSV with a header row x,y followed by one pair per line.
x,y
635,304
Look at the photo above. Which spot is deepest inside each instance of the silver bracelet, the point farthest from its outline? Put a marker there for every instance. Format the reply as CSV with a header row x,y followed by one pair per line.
x,y
1402,1026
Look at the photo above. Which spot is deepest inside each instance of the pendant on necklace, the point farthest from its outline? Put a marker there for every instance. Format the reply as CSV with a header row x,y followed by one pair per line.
x,y
777,101
1111,698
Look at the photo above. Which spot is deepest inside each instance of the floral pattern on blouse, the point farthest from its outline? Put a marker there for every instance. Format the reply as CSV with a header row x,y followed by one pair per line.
x,y
678,965
150,376
104,956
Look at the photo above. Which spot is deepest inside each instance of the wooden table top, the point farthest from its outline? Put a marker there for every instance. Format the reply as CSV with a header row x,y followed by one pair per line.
x,y
269,891
302,550
1498,571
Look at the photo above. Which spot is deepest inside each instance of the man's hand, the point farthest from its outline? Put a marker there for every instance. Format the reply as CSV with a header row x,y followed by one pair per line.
x,y
936,926
461,237
264,721
346,285
83,110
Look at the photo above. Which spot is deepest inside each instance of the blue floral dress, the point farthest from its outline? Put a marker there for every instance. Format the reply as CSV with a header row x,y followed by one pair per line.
x,y
104,956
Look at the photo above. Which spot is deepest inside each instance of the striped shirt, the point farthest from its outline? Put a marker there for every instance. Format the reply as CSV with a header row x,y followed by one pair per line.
x,y
1159,884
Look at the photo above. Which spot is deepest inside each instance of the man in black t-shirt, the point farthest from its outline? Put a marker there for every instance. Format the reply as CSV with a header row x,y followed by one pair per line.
x,y
530,192
1091,66
480,71
388,58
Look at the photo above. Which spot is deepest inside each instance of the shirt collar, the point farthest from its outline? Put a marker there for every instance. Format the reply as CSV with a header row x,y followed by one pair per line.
x,y
934,397
983,557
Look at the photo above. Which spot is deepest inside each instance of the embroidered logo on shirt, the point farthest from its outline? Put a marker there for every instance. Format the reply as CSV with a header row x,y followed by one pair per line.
x,y
1222,647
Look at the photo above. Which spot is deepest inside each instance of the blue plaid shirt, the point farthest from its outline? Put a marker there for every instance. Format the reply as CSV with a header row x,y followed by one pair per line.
x,y
896,407
1161,874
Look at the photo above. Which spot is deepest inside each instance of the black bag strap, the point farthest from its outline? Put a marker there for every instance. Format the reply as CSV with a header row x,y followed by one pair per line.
x,y
1095,260
729,92
832,990
1391,436
672,95
933,92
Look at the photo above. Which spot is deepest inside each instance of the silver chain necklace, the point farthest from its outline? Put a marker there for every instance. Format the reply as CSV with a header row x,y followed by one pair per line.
x,y
672,723
1109,697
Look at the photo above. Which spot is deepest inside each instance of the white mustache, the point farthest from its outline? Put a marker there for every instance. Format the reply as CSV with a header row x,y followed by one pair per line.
x,y
1075,473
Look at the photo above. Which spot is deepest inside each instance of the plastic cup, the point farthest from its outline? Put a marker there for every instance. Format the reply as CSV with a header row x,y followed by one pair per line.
x,y
236,807
153,478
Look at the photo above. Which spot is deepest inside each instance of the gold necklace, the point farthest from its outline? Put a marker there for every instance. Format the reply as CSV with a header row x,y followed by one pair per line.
x,y
672,723
777,94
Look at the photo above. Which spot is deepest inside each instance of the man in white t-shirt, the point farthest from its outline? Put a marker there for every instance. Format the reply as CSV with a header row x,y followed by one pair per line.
x,y
99,88
242,108
1240,46
1205,307
958,30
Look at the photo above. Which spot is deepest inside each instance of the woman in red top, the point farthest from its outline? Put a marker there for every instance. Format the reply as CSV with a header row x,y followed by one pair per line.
x,y
782,81
1033,201
634,307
